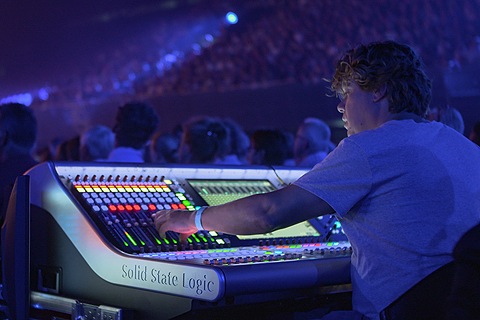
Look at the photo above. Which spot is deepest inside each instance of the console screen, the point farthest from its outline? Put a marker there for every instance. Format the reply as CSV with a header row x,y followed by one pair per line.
x,y
216,192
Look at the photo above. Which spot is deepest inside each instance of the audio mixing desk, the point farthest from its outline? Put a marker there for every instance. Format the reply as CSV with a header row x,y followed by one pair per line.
x,y
94,239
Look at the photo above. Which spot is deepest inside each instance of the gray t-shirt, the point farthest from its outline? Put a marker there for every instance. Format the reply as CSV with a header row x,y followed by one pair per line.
x,y
405,193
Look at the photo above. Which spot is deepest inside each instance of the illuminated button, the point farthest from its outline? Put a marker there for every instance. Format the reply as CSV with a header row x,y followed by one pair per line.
x,y
153,200
161,200
86,195
104,208
164,195
91,201
144,207
141,195
174,206
106,200
98,200
152,207
121,208
181,197
128,207
167,207
182,206
160,207
168,200
136,207
112,208
126,194
131,200
96,208
123,200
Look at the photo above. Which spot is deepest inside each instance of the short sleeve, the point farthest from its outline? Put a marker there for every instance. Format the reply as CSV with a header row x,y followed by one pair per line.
x,y
342,179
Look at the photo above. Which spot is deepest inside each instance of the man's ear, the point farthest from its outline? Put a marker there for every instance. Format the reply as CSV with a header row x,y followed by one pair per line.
x,y
380,93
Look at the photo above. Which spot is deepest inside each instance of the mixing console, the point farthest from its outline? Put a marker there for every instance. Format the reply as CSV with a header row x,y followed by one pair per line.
x,y
101,235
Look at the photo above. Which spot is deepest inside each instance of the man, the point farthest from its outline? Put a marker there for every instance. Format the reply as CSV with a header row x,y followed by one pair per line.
x,y
312,143
135,124
18,133
448,116
96,143
404,189
267,147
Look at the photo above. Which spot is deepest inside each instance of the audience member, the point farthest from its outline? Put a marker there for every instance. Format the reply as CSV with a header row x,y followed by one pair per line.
x,y
49,152
96,143
134,125
475,133
164,148
312,143
69,150
204,140
239,142
18,133
448,116
404,189
268,147
289,155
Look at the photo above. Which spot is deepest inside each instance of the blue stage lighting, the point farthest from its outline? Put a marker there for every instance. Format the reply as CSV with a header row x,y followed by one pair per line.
x,y
231,18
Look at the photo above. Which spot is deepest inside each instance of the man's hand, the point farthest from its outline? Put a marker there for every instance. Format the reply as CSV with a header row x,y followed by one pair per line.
x,y
181,221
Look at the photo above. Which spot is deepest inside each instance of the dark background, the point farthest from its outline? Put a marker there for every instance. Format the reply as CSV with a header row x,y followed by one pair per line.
x,y
44,42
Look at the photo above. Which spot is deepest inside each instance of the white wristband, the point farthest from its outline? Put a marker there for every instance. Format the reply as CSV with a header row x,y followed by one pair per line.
x,y
198,219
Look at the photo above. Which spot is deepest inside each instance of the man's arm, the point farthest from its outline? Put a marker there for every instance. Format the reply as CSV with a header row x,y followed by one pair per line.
x,y
256,214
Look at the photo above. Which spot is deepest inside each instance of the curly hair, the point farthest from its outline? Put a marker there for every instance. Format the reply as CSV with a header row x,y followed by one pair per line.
x,y
206,137
387,63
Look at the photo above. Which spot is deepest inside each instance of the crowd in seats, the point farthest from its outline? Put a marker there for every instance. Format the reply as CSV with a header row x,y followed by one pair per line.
x,y
274,42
